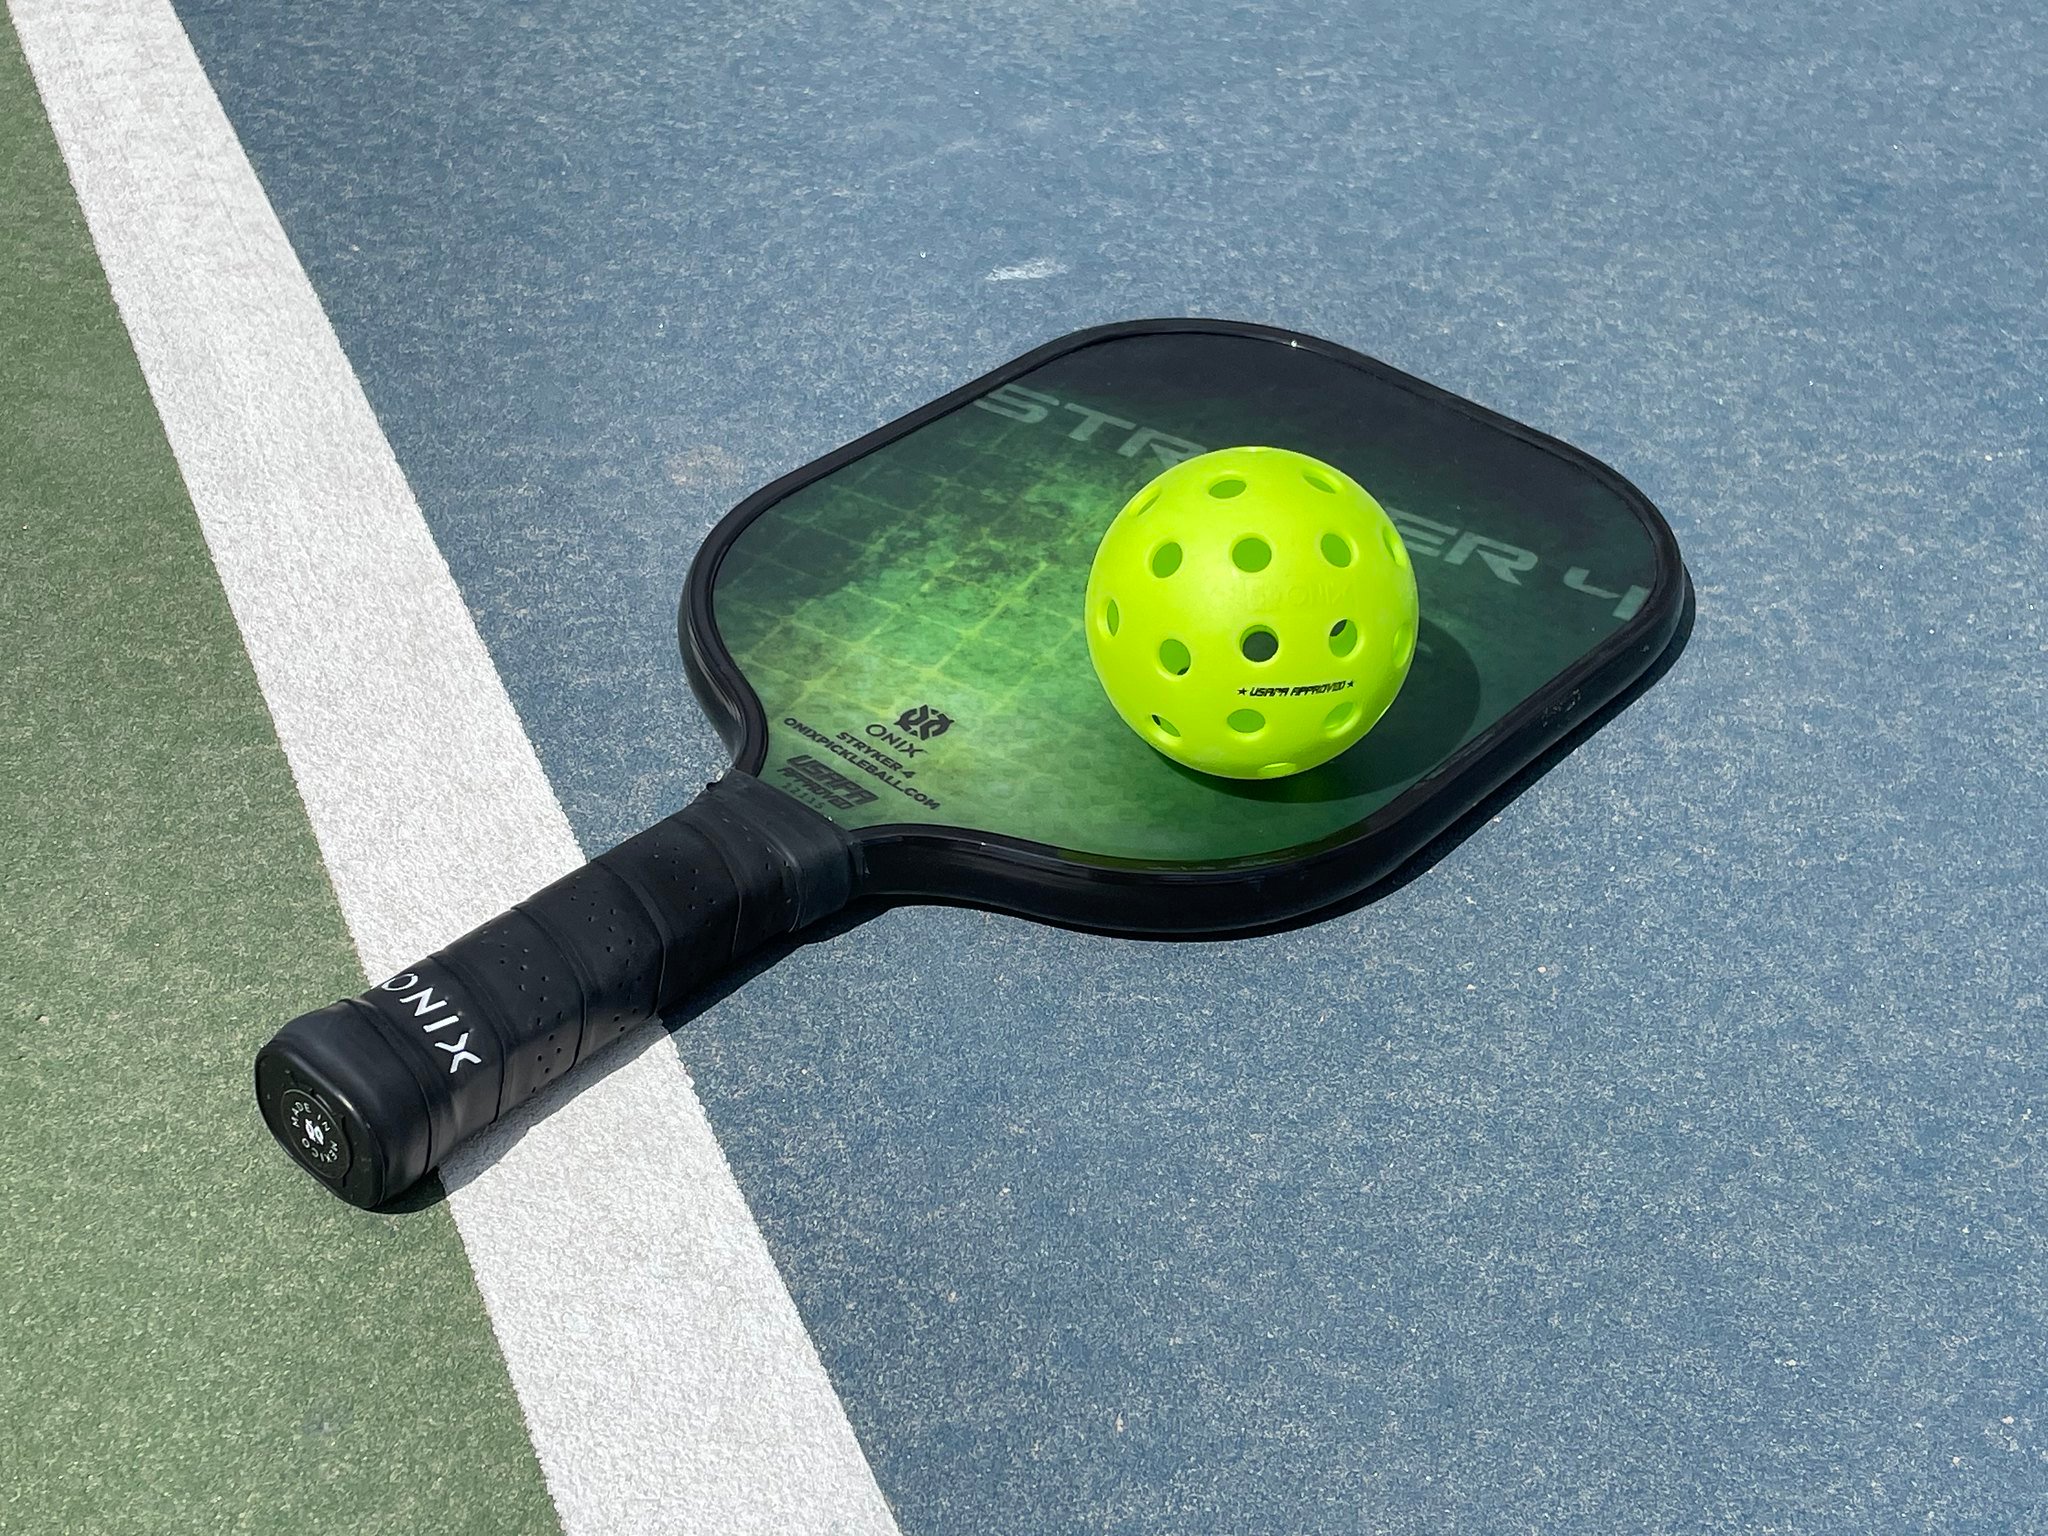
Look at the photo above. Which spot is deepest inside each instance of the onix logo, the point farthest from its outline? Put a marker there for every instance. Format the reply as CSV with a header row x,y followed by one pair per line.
x,y
924,722
425,1004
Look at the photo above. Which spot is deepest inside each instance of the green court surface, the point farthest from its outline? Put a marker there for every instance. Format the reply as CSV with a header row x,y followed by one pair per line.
x,y
188,1339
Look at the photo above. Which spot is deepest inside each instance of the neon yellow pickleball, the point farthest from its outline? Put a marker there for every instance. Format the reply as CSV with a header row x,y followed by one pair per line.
x,y
1251,612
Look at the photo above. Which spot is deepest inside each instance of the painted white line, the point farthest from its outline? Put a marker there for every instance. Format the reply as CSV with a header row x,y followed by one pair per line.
x,y
667,1380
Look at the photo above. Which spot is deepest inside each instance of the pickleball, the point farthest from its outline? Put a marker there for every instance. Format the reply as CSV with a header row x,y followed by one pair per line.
x,y
1251,612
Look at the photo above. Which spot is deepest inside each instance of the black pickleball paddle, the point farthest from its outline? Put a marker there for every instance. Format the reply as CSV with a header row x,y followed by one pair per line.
x,y
890,641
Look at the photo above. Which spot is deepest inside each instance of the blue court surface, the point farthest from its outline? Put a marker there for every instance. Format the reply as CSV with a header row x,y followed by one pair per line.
x,y
1668,1156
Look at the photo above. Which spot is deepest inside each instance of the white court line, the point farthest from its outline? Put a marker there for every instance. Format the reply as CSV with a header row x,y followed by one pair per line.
x,y
667,1380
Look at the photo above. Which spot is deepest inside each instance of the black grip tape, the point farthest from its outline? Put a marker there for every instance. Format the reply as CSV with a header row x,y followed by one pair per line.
x,y
371,1093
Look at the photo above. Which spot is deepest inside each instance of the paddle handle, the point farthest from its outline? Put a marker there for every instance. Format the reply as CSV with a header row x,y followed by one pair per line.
x,y
371,1093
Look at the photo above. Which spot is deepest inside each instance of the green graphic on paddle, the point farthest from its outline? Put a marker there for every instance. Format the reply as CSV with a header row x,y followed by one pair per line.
x,y
912,620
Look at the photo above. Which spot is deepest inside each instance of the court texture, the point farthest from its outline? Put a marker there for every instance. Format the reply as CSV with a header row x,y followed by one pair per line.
x,y
1666,1156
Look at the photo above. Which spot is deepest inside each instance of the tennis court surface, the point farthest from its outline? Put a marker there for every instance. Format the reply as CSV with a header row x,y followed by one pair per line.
x,y
1663,1156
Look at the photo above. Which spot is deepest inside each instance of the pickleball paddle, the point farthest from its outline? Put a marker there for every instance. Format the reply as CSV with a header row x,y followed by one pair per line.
x,y
890,641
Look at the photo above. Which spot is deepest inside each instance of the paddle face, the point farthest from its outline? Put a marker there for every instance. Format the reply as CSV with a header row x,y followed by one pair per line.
x,y
893,636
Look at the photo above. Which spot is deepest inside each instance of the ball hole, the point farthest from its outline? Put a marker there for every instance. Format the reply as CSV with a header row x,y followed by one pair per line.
x,y
1259,644
1251,554
1340,719
1278,770
1166,560
1174,657
1405,651
1343,638
1165,726
1336,549
1111,619
1226,488
1246,722
1320,482
1146,505
1396,550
